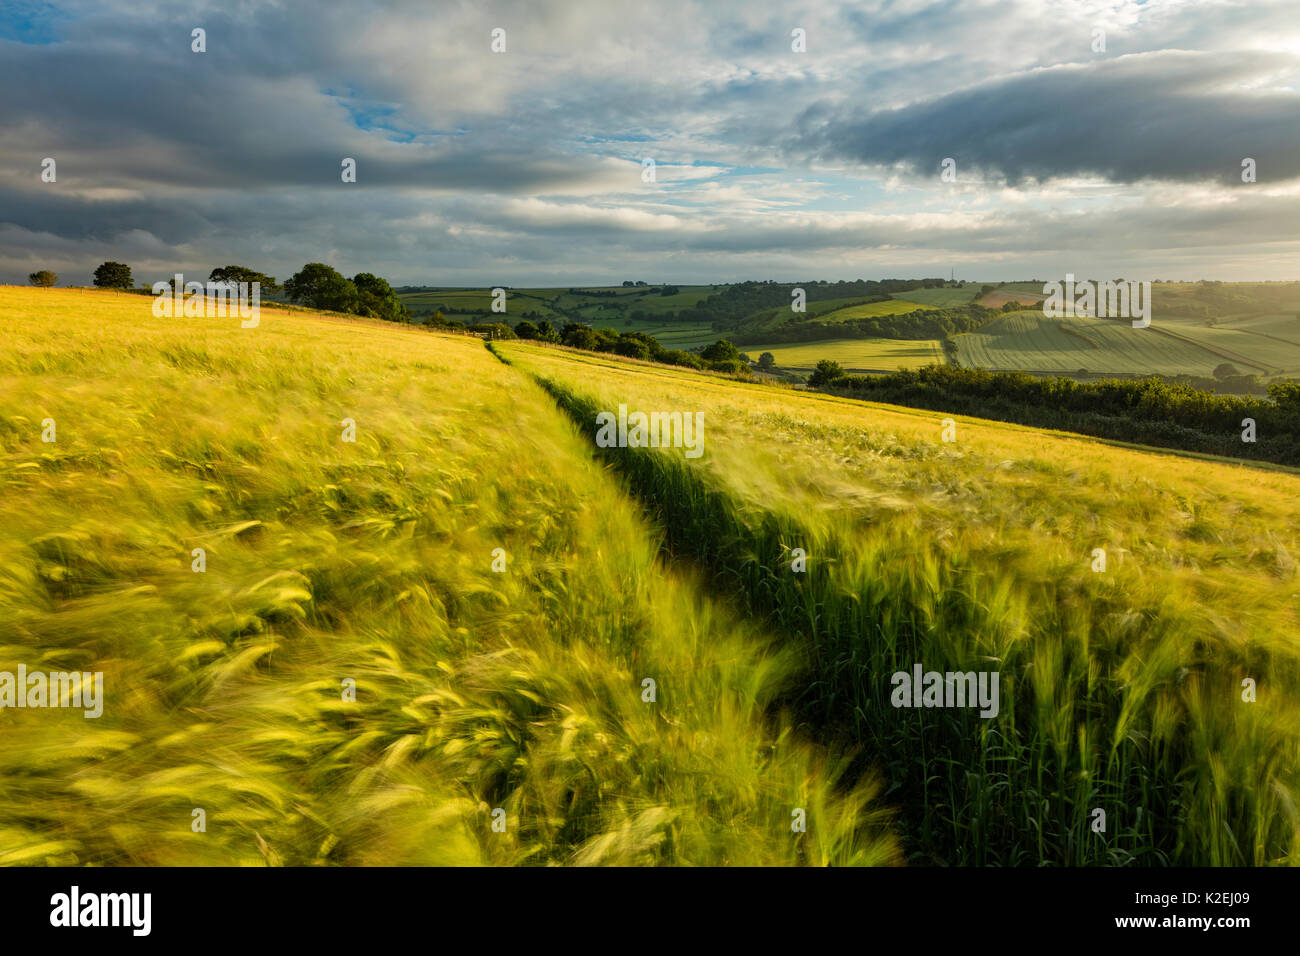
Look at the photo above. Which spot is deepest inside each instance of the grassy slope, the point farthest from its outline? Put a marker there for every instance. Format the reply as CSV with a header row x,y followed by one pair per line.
x,y
1028,341
371,561
1252,325
1121,690
942,298
855,355
826,311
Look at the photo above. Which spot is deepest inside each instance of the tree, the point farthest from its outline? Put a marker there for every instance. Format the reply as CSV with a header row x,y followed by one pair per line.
x,y
721,351
579,336
378,299
825,373
546,332
1226,370
632,348
322,287
767,361
526,330
1286,394
237,274
44,278
113,275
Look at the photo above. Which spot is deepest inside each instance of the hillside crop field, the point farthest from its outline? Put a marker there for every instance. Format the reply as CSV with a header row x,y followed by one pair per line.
x,y
366,594
347,679
855,355
829,311
1197,326
673,335
942,298
1129,686
873,309
1029,341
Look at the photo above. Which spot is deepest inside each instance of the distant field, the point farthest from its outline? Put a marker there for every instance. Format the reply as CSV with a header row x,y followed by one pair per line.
x,y
779,316
673,335
1036,286
1028,341
682,300
944,298
1283,324
872,309
1219,302
470,304
1000,297
855,355
1250,351
1196,327
558,305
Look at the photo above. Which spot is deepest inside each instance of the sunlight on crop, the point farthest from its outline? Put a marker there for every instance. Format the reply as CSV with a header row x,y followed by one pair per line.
x,y
343,678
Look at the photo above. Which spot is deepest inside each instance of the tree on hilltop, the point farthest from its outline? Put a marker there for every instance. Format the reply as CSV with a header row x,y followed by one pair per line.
x,y
237,274
113,275
377,298
322,287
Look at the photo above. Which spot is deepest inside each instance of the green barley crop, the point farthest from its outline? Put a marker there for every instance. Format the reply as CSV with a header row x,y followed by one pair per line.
x,y
369,564
1122,690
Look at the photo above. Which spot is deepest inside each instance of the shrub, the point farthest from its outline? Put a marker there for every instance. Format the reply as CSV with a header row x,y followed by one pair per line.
x,y
632,348
826,372
679,357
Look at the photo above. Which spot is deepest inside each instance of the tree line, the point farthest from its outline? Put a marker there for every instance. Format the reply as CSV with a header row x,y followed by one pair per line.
x,y
919,324
1149,411
730,306
315,285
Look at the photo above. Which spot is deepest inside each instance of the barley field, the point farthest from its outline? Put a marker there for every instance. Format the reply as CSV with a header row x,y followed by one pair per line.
x,y
347,679
854,354
1029,341
1159,687
364,594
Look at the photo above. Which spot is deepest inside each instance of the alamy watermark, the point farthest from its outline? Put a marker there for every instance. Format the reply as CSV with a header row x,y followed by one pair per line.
x,y
1118,299
652,430
53,689
923,688
74,908
211,300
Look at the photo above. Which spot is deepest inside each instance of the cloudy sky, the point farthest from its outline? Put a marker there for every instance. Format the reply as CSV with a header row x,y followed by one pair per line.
x,y
526,166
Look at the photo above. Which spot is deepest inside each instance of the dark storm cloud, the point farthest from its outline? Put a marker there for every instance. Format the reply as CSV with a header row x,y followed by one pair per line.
x,y
478,167
1176,116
